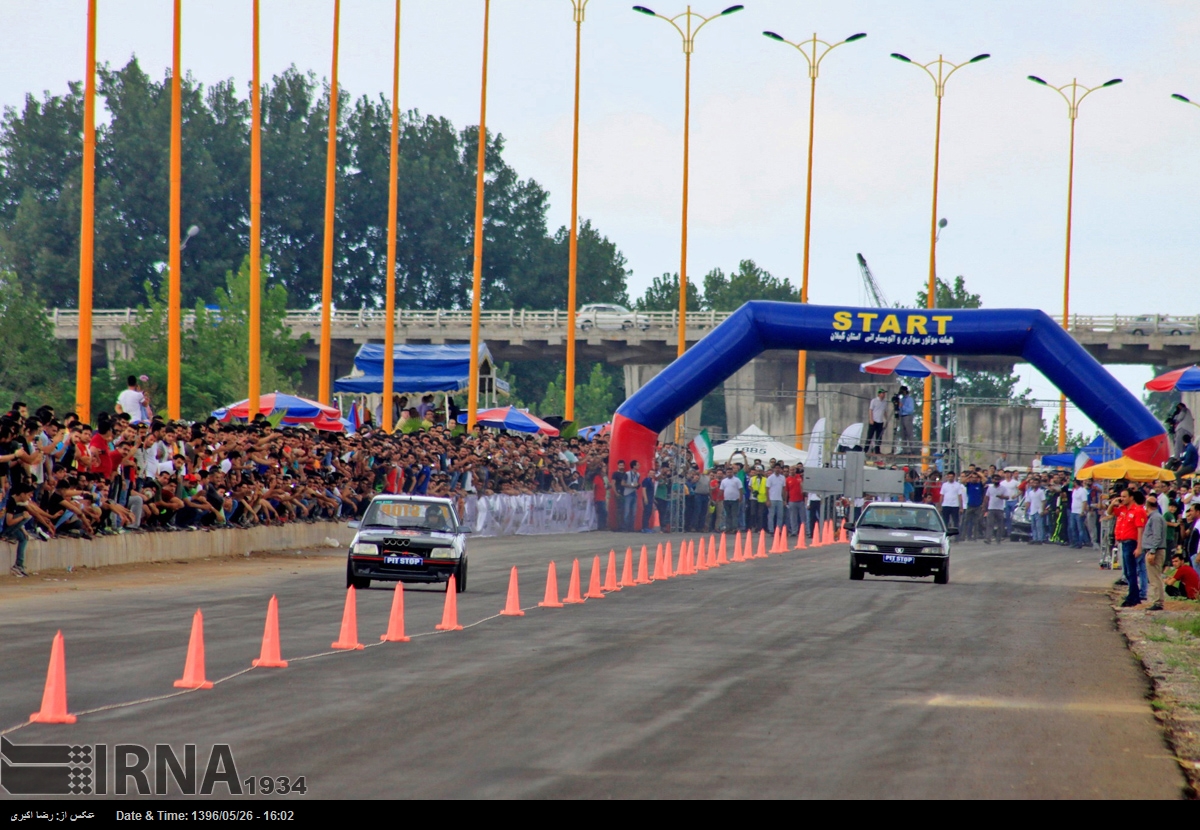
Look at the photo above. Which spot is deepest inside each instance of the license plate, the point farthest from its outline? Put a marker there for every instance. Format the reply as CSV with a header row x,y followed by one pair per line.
x,y
896,559
392,559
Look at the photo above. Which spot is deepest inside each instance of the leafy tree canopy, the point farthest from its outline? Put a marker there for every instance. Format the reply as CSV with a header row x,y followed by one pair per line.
x,y
32,364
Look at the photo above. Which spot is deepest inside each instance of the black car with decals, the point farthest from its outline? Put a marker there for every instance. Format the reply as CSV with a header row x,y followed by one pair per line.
x,y
405,538
901,539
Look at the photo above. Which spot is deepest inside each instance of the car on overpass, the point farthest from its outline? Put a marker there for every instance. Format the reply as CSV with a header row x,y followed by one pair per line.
x,y
404,538
1147,324
901,539
609,317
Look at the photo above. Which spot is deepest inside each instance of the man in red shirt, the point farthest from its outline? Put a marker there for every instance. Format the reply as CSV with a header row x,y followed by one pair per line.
x,y
795,500
1185,582
1131,519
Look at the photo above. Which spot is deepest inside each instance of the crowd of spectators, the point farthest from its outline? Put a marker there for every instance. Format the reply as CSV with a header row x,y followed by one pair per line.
x,y
128,474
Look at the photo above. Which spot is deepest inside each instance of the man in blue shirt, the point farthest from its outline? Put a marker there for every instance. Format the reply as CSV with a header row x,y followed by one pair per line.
x,y
973,519
1188,456
905,413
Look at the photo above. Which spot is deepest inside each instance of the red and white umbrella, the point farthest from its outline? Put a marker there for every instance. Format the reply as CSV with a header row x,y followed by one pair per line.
x,y
905,365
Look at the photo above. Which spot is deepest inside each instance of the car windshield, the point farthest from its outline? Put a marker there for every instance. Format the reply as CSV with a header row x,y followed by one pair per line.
x,y
409,515
901,518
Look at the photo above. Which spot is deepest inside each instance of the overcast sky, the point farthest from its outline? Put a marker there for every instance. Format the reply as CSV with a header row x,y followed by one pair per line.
x,y
1004,139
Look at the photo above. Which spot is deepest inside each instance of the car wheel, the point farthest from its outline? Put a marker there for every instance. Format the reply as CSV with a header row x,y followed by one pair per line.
x,y
942,577
586,325
855,572
460,577
355,582
1175,332
1138,333
644,326
626,325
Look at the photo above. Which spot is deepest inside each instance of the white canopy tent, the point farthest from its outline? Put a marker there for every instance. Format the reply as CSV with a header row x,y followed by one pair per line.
x,y
756,445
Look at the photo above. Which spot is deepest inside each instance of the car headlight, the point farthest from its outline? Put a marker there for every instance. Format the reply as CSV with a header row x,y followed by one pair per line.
x,y
867,548
443,553
937,549
365,549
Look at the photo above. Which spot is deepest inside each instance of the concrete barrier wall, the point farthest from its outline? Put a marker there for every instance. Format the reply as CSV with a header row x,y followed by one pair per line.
x,y
129,548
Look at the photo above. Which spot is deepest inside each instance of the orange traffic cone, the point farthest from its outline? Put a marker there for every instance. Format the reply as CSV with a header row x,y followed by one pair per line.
x,y
842,540
551,600
762,545
774,541
816,535
828,533
702,557
512,608
782,546
748,552
737,547
573,597
667,557
654,520
594,590
348,639
450,609
681,568
268,657
712,551
395,632
610,576
627,570
193,667
643,577
54,697
658,563
722,559
800,539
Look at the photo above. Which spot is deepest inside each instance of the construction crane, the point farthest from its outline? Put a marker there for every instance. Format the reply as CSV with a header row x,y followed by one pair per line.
x,y
874,292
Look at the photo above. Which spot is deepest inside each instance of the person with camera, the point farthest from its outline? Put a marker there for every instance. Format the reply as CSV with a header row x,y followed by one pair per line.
x,y
902,404
1179,424
876,418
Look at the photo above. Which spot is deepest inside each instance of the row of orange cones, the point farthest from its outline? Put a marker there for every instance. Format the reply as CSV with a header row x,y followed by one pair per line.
x,y
54,698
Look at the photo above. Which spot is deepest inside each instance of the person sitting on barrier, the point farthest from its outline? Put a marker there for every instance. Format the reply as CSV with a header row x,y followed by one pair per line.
x,y
1187,456
1183,582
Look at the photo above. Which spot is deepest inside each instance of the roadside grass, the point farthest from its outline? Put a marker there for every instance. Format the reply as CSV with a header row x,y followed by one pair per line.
x,y
1187,625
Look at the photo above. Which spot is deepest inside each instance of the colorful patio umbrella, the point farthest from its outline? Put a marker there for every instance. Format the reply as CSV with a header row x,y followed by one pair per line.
x,y
1183,380
299,410
509,417
1126,468
588,433
905,365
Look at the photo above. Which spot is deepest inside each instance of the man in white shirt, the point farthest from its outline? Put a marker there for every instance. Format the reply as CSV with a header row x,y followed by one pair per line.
x,y
731,489
954,499
1035,508
1012,492
1076,529
993,496
132,402
876,417
776,499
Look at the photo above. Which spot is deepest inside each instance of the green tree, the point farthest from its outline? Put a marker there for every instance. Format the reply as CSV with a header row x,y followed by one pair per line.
x,y
595,400
1075,439
748,282
663,295
32,364
950,297
213,350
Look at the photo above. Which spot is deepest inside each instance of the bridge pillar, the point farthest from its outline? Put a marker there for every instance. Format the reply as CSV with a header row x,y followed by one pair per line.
x,y
637,376
115,350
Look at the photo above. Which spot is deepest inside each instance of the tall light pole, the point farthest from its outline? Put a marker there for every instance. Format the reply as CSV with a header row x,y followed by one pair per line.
x,y
580,6
688,32
814,51
254,391
477,279
944,70
87,225
174,356
389,330
1071,94
325,374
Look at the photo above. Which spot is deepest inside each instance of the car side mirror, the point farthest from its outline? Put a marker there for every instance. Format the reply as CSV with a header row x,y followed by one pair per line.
x,y
355,525
953,531
849,526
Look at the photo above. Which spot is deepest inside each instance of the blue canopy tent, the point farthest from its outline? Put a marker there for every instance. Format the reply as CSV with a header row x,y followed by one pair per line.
x,y
421,369
1100,450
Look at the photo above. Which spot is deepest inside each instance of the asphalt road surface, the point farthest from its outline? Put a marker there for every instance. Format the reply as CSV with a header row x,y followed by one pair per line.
x,y
772,678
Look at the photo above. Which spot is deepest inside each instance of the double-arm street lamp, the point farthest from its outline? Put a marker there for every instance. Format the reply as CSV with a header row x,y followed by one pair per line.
x,y
580,7
692,23
939,71
814,51
1073,93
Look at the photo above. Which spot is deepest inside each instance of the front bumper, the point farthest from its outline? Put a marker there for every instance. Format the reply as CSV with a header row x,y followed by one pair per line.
x,y
884,564
431,570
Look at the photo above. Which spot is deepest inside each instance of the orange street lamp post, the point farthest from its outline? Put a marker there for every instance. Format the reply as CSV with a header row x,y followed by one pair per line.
x,y
325,379
389,332
174,356
477,278
255,313
580,6
87,225
814,51
944,70
688,32
1073,99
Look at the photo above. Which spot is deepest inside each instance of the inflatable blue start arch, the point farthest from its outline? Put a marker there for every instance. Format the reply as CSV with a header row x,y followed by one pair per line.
x,y
1026,334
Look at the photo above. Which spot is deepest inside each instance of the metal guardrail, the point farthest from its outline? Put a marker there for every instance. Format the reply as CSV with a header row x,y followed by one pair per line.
x,y
436,319
1135,325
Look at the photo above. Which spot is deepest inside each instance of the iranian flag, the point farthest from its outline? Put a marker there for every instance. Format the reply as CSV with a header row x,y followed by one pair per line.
x,y
702,451
1082,461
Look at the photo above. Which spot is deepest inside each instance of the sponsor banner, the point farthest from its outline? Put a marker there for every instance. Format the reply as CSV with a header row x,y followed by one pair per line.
x,y
532,515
